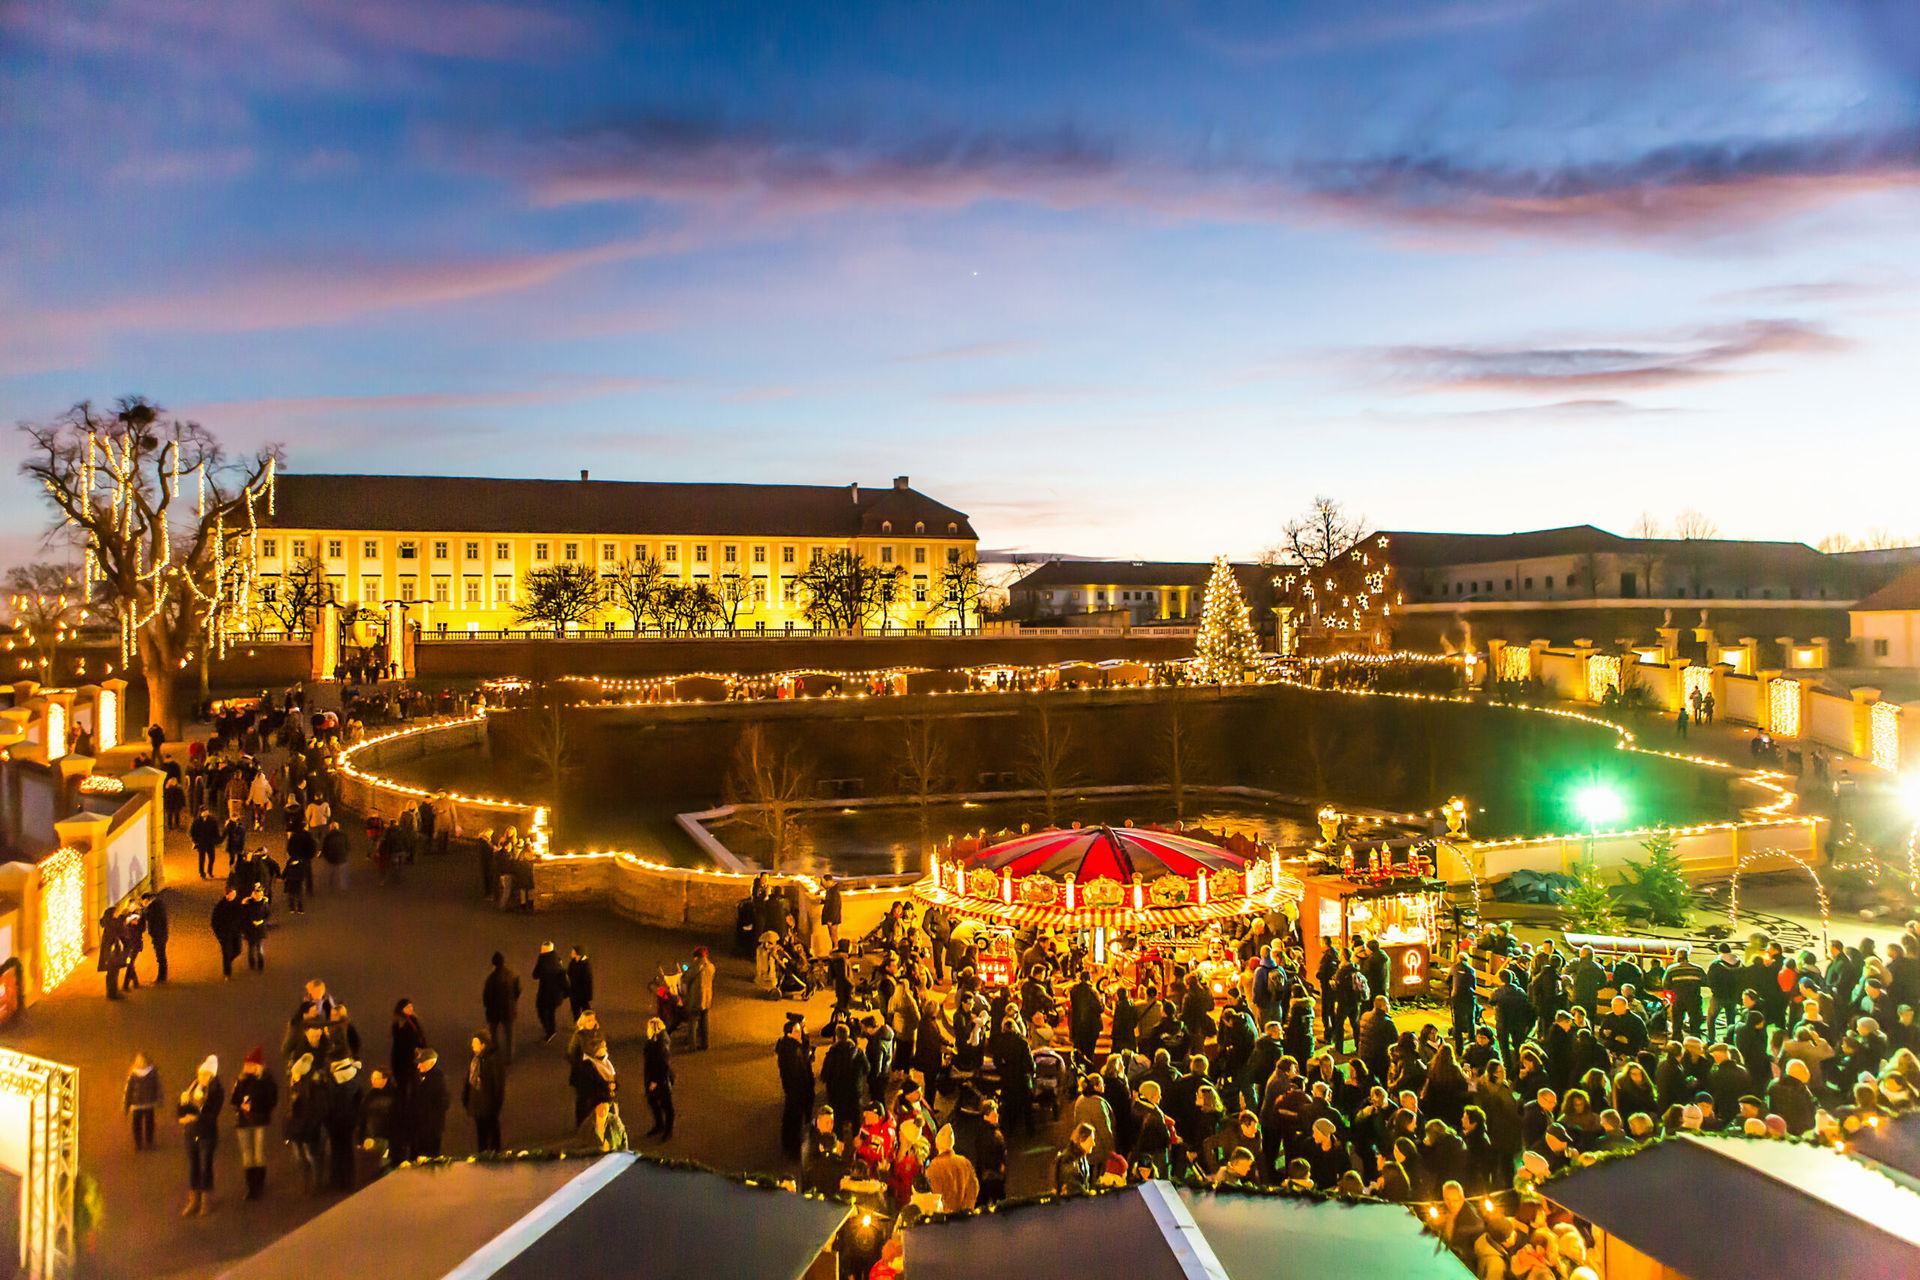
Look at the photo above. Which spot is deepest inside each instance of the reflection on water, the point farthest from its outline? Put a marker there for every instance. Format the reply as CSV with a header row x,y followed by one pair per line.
x,y
886,841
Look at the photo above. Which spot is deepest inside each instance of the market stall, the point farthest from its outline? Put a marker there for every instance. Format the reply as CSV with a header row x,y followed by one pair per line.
x,y
1400,912
1145,899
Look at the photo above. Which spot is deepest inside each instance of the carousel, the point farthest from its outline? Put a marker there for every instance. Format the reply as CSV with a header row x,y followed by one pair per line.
x,y
1136,895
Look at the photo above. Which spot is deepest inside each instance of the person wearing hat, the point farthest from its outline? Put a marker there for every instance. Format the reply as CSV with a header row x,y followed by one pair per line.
x,y
696,988
794,1056
427,1105
254,1097
1791,1098
199,1113
484,1092
308,1081
951,1175
346,1097
1726,1080
549,987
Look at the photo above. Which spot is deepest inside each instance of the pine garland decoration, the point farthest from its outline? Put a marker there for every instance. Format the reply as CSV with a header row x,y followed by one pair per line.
x,y
1227,651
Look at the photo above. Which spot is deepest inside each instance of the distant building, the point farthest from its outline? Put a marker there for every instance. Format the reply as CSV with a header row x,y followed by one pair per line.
x,y
462,546
1389,575
1148,591
1886,624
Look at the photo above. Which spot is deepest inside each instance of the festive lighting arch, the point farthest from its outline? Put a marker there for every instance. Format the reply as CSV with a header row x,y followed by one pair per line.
x,y
1819,890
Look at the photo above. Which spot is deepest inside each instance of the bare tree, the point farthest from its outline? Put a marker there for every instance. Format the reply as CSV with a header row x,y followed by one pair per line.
x,y
1647,556
48,605
923,769
730,597
1691,524
1048,765
960,591
559,596
1694,530
167,520
1178,745
634,588
552,755
767,786
841,589
292,599
1324,532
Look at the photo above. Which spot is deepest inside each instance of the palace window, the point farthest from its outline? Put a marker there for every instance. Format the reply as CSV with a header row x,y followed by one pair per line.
x,y
540,550
473,550
370,549
608,551
787,590
919,526
269,547
442,589
886,526
919,590
571,550
439,550
699,553
817,554
336,549
673,553
473,591
730,554
759,555
886,555
759,590
919,555
503,590
406,589
786,555
409,550
953,555
639,551
299,548
952,529
503,551
369,590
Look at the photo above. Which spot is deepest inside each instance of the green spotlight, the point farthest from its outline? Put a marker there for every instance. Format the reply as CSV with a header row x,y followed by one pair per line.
x,y
1599,805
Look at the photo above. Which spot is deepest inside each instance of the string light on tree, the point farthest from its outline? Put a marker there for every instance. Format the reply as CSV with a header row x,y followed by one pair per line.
x,y
1227,650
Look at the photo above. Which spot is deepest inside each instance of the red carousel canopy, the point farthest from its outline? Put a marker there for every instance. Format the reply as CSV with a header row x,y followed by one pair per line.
x,y
1107,853
1107,877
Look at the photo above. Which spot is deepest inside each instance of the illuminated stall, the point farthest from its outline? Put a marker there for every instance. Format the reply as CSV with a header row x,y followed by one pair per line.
x,y
1144,899
1398,910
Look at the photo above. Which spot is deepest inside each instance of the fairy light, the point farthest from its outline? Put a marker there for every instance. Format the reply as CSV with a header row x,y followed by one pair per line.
x,y
56,734
1227,650
1783,707
1516,663
1883,726
1819,889
1603,675
63,915
106,716
1697,682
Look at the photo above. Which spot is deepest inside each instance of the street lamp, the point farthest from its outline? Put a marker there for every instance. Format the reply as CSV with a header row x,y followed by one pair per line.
x,y
1599,805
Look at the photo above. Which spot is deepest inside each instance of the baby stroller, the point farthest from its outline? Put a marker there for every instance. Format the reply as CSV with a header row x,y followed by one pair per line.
x,y
1049,1081
668,1005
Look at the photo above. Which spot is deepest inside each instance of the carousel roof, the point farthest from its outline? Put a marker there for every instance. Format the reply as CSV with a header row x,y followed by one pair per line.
x,y
1106,853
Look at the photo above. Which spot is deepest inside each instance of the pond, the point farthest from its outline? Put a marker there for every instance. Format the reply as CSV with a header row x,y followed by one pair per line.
x,y
885,840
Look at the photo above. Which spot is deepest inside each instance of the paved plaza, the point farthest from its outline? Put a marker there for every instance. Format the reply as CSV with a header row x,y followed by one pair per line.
x,y
429,939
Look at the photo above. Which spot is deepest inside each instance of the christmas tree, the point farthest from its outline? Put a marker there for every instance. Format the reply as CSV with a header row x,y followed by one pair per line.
x,y
1659,884
1588,906
1227,651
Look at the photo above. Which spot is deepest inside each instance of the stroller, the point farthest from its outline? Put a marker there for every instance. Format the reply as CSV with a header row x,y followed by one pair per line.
x,y
1050,1081
668,1004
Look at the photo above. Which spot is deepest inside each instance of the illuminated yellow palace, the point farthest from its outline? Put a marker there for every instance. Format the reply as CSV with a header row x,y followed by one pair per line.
x,y
462,546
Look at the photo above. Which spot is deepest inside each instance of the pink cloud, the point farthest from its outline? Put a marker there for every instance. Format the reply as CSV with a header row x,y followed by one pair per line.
x,y
551,391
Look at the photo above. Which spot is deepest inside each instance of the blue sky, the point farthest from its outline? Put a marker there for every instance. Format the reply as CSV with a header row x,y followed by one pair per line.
x,y
1120,279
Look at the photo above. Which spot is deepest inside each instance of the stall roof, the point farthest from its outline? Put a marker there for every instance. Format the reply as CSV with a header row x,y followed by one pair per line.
x,y
587,1219
1159,1232
1780,1208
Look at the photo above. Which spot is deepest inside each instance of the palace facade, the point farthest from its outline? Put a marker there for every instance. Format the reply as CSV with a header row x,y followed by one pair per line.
x,y
460,547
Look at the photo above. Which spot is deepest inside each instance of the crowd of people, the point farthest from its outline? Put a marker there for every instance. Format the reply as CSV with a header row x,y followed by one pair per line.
x,y
1311,1082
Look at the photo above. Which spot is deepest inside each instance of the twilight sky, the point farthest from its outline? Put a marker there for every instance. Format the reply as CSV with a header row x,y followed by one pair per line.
x,y
1124,279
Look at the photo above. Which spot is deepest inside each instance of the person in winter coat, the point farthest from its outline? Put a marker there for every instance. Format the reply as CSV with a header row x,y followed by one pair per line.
x,y
253,926
254,1097
500,998
593,1076
549,987
696,989
378,1127
656,1073
1790,1098
344,1098
308,1081
199,1113
114,955
426,1105
579,982
228,922
1377,1034
844,1073
1513,1013
298,876
408,1039
140,1098
484,1092
204,832
794,1056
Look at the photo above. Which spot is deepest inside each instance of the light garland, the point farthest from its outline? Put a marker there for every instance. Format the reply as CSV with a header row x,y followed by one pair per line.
x,y
1783,707
1819,890
1884,734
106,720
101,784
1696,681
63,915
1603,676
1516,663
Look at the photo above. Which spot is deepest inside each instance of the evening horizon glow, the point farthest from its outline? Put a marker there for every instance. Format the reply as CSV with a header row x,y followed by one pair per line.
x,y
1135,281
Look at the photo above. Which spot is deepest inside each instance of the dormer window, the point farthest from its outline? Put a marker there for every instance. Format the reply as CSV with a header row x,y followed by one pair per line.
x,y
886,526
952,528
920,526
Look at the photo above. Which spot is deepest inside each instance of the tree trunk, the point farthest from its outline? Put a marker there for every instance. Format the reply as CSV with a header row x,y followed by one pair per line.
x,y
162,694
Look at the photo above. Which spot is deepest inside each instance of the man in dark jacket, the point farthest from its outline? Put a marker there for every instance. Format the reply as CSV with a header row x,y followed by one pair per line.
x,y
1727,1081
1588,978
1072,1172
159,926
500,998
228,922
549,987
299,873
1261,1060
484,1093
844,1073
426,1105
1545,995
1512,1014
204,832
1377,1034
1083,1017
1622,1032
1723,990
579,982
1688,982
794,1056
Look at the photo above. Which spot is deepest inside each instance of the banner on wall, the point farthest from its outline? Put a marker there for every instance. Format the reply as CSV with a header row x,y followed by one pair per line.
x,y
127,859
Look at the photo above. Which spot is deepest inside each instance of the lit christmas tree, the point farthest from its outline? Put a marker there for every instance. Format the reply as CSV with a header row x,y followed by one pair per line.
x,y
1227,650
